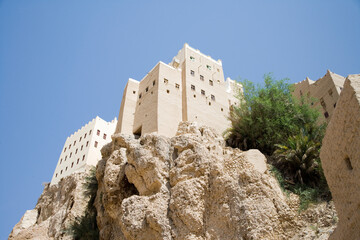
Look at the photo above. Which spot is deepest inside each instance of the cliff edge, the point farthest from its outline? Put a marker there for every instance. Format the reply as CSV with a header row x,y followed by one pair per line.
x,y
190,186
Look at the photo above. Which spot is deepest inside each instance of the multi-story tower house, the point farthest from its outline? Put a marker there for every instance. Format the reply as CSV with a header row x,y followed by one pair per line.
x,y
83,148
322,93
190,88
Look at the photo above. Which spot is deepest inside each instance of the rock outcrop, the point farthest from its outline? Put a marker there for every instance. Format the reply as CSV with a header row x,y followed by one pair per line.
x,y
56,208
192,186
188,187
340,157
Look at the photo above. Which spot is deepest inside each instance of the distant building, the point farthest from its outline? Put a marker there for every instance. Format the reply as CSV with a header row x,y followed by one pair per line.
x,y
322,94
83,147
190,88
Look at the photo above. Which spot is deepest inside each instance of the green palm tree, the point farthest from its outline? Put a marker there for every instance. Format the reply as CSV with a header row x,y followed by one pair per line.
x,y
298,159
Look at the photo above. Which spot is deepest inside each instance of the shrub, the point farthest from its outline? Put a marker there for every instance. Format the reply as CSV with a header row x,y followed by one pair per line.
x,y
85,227
267,116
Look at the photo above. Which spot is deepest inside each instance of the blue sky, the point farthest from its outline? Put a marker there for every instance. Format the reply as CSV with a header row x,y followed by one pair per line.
x,y
64,62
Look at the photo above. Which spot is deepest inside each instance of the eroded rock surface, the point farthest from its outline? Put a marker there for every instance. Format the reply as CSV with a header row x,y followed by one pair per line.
x,y
192,186
56,208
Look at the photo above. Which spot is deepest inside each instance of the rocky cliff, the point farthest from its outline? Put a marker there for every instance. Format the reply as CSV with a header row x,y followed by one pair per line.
x,y
190,186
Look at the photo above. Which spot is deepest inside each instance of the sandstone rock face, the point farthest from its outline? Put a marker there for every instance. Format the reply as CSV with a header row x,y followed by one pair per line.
x,y
340,157
57,206
192,186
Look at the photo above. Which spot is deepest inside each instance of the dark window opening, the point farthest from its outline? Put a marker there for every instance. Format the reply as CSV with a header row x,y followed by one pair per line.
x,y
137,133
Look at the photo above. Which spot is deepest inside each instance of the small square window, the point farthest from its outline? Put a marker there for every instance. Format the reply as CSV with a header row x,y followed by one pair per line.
x,y
202,77
208,67
177,85
96,144
326,114
192,87
104,137
192,58
194,95
211,82
147,89
202,92
98,132
209,103
139,95
153,83
166,81
213,97
134,92
167,91
192,72
222,109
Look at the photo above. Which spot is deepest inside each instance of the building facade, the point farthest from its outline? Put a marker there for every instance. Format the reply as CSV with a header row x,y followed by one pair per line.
x,y
83,147
190,88
322,94
340,158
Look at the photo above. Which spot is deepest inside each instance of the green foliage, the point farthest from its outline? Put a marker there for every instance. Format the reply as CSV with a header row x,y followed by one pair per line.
x,y
267,116
298,159
90,186
307,195
271,120
85,227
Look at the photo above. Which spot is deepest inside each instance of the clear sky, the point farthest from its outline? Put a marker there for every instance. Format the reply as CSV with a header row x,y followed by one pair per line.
x,y
62,63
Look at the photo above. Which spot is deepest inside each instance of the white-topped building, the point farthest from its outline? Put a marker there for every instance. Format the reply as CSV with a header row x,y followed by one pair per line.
x,y
83,147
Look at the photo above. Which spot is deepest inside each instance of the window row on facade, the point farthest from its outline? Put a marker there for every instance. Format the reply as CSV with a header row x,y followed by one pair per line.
x,y
202,92
192,58
146,89
97,133
211,82
72,165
